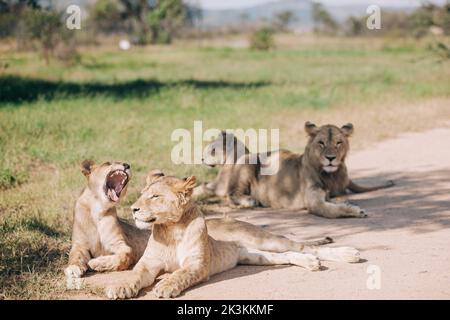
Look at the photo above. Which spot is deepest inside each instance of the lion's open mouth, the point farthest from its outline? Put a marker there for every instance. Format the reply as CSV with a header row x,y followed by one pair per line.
x,y
115,183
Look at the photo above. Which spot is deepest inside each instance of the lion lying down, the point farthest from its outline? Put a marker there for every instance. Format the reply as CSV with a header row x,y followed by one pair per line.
x,y
103,242
302,181
180,244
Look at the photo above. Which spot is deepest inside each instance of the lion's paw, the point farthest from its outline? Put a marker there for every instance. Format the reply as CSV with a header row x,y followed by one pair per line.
x,y
247,202
123,291
348,254
104,263
73,271
305,260
343,254
356,211
73,277
166,289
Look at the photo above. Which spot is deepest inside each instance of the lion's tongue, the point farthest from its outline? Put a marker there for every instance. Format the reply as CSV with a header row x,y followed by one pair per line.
x,y
113,195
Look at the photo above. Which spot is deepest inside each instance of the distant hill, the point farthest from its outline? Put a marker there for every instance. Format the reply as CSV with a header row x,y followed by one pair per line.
x,y
302,10
258,13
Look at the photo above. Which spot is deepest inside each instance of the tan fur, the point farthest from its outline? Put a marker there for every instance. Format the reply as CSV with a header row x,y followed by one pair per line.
x,y
103,242
180,244
306,180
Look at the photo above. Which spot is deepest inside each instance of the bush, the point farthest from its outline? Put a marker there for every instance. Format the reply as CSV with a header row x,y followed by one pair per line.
x,y
262,39
106,16
46,29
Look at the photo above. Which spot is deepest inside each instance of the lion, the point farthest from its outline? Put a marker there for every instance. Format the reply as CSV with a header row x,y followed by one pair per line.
x,y
100,240
180,244
103,242
302,181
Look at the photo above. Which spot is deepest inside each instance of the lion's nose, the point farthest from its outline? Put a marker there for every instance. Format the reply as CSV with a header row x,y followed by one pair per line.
x,y
330,158
126,166
135,209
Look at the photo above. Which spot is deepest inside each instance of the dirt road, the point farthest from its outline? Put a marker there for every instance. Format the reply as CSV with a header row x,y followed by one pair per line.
x,y
404,242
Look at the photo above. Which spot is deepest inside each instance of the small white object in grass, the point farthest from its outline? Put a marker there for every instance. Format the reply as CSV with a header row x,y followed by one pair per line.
x,y
124,44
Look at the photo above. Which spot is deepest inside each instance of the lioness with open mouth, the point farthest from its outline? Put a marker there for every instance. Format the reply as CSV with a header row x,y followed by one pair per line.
x,y
180,243
302,181
103,242
100,240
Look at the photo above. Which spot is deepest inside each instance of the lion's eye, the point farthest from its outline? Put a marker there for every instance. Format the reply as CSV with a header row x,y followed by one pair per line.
x,y
155,196
322,144
338,143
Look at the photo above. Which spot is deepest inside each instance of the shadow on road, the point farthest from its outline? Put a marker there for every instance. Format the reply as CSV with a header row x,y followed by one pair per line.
x,y
419,201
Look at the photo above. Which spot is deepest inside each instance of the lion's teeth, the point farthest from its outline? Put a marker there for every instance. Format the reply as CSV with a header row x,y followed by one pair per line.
x,y
112,195
115,197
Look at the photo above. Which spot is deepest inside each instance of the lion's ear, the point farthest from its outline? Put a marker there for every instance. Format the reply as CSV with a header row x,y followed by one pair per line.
x,y
153,176
347,129
311,129
87,166
188,185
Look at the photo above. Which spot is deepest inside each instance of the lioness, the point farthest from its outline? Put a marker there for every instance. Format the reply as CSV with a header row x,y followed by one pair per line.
x,y
100,240
103,242
305,180
180,244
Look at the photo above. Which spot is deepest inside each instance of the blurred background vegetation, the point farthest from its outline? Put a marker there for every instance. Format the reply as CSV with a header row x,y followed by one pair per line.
x,y
67,95
39,25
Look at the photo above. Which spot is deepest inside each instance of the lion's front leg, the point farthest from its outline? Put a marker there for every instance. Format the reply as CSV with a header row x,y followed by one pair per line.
x,y
263,258
317,204
242,201
113,241
78,264
239,188
78,261
121,260
340,254
180,280
142,275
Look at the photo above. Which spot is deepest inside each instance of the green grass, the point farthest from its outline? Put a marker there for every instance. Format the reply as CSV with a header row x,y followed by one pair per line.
x,y
124,106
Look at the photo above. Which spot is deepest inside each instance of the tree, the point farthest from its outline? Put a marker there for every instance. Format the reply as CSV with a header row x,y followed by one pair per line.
x,y
324,22
18,5
46,28
10,13
36,26
283,20
107,16
135,12
420,21
166,19
156,21
442,18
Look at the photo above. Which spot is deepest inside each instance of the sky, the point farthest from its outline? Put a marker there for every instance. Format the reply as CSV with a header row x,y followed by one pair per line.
x,y
236,4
